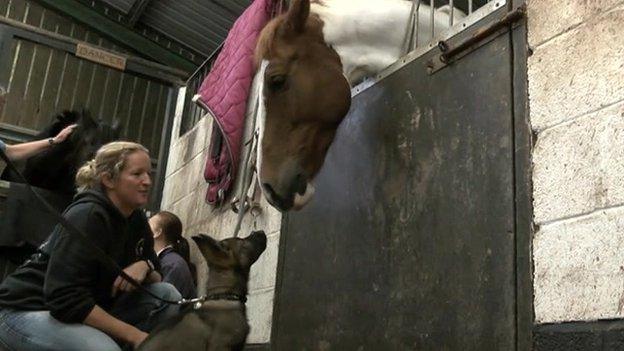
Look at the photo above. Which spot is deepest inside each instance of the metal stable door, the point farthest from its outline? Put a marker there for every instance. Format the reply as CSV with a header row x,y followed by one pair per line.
x,y
410,241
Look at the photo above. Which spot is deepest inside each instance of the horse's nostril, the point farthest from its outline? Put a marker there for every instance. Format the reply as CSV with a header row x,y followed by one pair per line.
x,y
300,184
275,199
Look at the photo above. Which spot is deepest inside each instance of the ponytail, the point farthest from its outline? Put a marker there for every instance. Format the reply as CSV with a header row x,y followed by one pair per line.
x,y
85,177
181,247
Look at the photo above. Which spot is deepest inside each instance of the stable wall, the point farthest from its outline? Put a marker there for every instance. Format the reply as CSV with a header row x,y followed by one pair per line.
x,y
184,194
576,92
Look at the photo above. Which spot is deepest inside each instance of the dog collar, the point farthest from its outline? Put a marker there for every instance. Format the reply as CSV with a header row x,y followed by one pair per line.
x,y
199,301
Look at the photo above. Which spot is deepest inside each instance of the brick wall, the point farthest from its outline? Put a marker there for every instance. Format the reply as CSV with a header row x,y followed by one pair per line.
x,y
576,92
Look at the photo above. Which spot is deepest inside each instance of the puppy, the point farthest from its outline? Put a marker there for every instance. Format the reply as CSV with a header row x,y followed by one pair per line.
x,y
220,322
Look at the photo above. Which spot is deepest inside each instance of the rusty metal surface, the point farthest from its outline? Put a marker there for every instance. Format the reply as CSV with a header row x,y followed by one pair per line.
x,y
409,243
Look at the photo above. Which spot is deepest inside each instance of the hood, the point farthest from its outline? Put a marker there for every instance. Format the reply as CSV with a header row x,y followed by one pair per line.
x,y
97,196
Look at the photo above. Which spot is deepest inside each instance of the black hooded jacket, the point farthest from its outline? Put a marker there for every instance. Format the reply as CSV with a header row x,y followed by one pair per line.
x,y
65,276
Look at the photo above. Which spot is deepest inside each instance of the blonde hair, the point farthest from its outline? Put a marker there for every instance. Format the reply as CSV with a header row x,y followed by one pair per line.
x,y
110,158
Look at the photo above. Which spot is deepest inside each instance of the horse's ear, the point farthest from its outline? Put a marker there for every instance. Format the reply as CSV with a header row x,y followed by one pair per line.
x,y
116,129
68,117
298,15
87,121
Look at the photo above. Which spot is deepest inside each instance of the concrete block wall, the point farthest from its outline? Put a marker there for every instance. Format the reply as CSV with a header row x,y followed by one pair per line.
x,y
576,97
184,194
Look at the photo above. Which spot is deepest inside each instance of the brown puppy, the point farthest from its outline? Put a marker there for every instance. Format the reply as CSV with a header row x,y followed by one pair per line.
x,y
220,323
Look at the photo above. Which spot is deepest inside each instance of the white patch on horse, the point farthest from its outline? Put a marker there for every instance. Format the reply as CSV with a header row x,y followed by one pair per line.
x,y
370,35
299,200
261,116
302,200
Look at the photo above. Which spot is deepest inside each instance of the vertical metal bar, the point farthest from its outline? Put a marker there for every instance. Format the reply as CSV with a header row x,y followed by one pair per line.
x,y
416,24
130,103
155,142
118,97
163,150
469,7
452,10
146,102
432,19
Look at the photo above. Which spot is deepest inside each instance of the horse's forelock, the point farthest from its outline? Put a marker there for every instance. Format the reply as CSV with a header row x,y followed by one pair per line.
x,y
264,46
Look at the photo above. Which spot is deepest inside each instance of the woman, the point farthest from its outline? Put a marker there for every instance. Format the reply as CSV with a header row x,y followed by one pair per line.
x,y
63,297
173,253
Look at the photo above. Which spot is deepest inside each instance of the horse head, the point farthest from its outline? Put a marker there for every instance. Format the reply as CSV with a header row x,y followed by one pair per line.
x,y
89,136
305,97
55,168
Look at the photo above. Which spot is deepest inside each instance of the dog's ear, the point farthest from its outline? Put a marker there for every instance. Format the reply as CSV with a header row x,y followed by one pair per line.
x,y
210,249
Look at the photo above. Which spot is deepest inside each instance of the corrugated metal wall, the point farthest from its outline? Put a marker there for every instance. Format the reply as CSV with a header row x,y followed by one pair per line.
x,y
42,80
122,5
113,10
200,24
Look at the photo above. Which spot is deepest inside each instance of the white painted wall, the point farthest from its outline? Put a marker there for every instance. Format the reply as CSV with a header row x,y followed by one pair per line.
x,y
576,94
184,193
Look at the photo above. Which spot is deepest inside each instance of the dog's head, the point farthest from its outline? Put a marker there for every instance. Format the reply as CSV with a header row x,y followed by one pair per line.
x,y
229,260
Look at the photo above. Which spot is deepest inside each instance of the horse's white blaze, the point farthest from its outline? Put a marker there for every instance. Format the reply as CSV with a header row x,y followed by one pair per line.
x,y
370,35
260,117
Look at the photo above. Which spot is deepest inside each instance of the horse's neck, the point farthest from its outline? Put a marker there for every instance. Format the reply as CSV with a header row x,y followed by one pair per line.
x,y
370,35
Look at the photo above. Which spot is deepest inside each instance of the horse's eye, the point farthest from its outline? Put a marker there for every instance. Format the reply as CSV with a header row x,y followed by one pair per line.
x,y
277,82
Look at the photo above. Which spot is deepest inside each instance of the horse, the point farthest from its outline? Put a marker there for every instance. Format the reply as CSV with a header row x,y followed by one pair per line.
x,y
55,168
309,58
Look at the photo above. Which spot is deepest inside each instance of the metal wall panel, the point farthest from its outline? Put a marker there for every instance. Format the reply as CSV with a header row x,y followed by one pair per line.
x,y
202,25
122,5
43,79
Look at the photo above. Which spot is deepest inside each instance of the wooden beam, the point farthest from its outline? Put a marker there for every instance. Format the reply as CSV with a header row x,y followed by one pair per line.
x,y
136,11
119,33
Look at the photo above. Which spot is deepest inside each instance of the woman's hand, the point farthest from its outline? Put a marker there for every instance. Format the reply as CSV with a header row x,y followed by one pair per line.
x,y
63,134
137,271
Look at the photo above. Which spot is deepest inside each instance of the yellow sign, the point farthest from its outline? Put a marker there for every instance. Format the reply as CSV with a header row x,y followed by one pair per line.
x,y
100,56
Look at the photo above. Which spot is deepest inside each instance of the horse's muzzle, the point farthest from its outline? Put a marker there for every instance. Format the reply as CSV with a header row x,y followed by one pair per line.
x,y
296,199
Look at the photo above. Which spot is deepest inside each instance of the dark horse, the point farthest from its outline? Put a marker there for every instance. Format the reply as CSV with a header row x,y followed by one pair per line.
x,y
55,168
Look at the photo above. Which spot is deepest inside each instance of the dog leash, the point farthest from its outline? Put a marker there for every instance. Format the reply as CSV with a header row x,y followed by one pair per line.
x,y
71,229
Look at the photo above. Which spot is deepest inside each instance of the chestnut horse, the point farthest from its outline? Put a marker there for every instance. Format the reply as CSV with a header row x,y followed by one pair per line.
x,y
309,58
